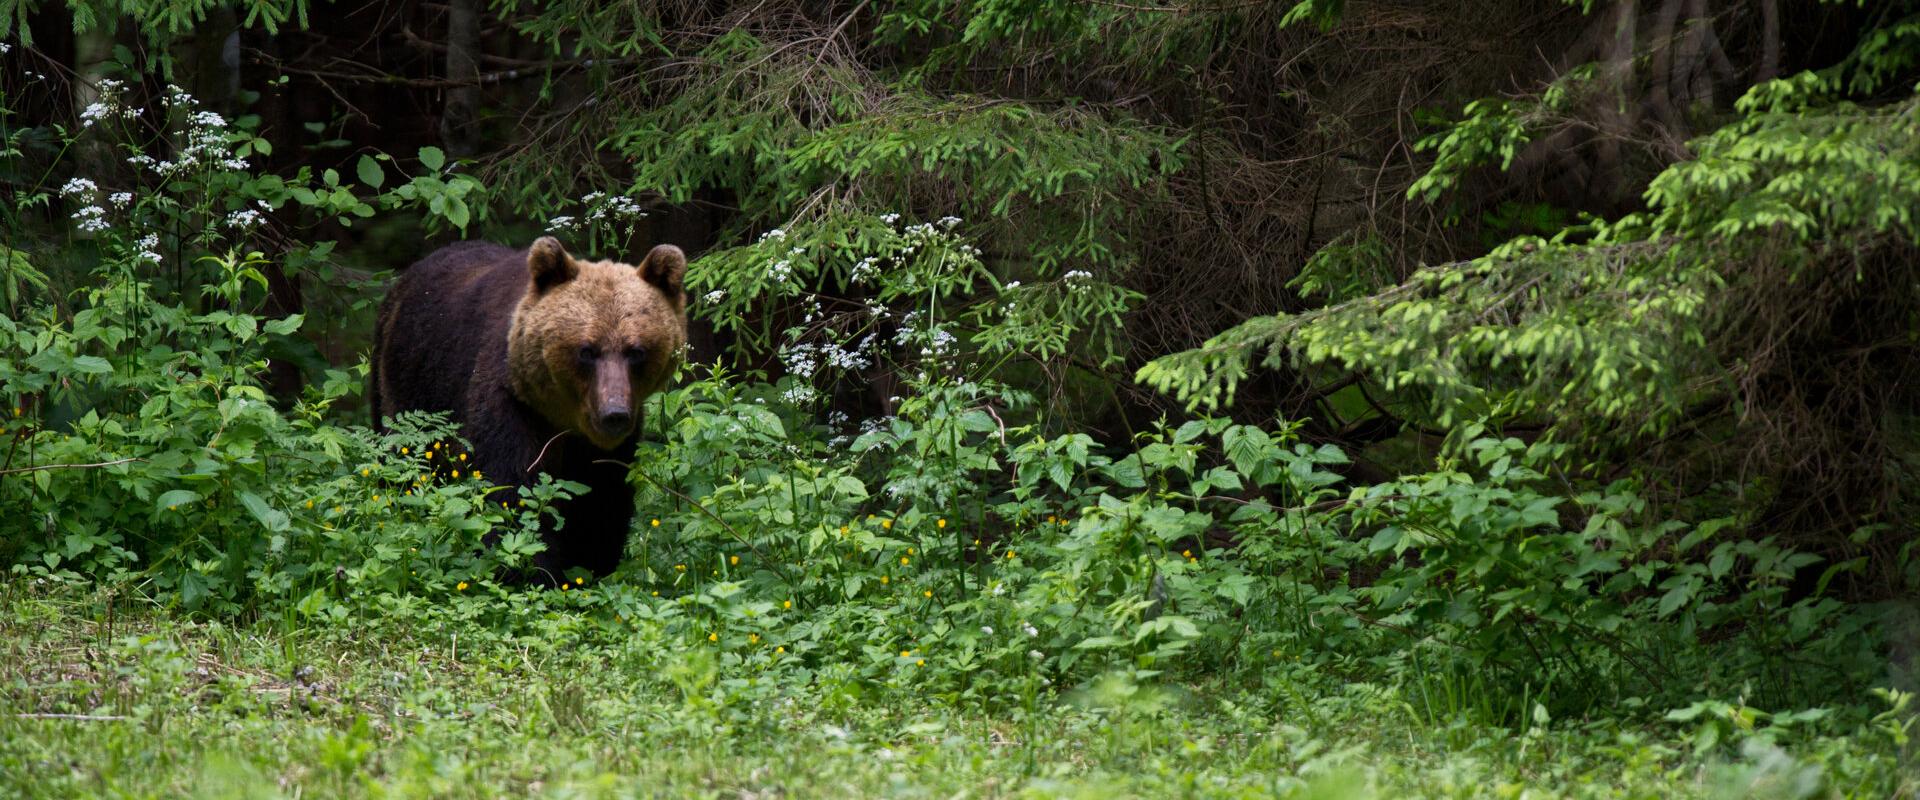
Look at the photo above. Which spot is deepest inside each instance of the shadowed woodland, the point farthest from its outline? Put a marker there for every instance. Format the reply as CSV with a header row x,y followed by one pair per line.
x,y
1555,358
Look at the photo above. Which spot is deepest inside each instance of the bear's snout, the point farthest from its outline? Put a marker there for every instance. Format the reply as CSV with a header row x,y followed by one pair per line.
x,y
613,401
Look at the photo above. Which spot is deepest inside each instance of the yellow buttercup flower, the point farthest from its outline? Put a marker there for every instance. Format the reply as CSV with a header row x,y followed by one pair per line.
x,y
903,561
461,586
365,472
905,653
1009,554
786,604
680,567
920,663
1186,553
928,593
753,638
456,473
579,581
463,456
656,523
884,579
403,451
886,523
713,637
941,523
780,649
733,560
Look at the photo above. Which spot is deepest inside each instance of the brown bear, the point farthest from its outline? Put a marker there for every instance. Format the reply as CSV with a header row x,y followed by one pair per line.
x,y
543,360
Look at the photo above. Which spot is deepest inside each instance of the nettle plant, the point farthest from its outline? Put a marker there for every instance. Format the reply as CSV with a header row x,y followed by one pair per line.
x,y
141,444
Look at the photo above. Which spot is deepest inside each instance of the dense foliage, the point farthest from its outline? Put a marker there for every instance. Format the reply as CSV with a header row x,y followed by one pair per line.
x,y
1637,454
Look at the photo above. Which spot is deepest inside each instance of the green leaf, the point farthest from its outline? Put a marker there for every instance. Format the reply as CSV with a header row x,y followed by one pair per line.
x,y
284,325
432,158
370,173
91,365
269,517
178,497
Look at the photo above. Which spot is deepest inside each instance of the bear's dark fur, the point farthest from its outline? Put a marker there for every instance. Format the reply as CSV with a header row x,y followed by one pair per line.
x,y
544,362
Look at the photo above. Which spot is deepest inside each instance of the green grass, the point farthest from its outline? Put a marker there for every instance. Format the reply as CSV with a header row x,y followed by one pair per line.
x,y
411,704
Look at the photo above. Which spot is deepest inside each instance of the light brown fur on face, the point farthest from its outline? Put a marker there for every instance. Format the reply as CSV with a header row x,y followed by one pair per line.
x,y
603,305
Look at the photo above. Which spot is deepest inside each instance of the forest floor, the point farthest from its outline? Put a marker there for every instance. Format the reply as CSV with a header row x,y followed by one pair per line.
x,y
100,701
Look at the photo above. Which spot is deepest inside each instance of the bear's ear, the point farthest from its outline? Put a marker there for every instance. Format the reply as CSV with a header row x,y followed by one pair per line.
x,y
666,267
549,264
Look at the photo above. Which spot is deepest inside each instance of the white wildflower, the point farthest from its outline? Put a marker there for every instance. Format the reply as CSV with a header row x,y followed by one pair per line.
x,y
120,199
716,295
244,218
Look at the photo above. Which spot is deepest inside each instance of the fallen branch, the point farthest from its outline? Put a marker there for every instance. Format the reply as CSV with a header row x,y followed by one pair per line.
x,y
69,466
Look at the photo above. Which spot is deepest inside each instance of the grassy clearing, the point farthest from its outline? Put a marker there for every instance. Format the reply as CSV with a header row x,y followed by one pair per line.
x,y
101,698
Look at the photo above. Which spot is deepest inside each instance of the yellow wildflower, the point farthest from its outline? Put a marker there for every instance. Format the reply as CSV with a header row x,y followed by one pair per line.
x,y
456,473
1186,553
463,456
753,638
928,593
579,581
920,663
903,561
733,560
365,472
906,653
786,604
461,586
780,649
403,451
1009,554
713,637
941,523
884,579
886,523
656,523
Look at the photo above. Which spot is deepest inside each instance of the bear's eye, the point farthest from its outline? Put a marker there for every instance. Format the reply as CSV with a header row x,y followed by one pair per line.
x,y
636,356
589,354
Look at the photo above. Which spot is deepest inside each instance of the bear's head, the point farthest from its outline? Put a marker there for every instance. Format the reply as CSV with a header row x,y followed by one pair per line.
x,y
591,339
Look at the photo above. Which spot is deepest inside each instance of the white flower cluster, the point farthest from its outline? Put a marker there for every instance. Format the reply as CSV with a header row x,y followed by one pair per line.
x,y
867,269
120,199
1077,275
4,47
603,206
204,142
560,223
799,394
92,219
243,219
776,234
890,218
108,106
949,222
716,296
781,270
938,343
80,186
149,248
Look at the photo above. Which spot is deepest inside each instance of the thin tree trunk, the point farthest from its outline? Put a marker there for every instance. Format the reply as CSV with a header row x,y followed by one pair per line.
x,y
463,46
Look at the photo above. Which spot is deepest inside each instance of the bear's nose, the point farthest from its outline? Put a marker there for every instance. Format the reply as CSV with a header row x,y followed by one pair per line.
x,y
615,420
